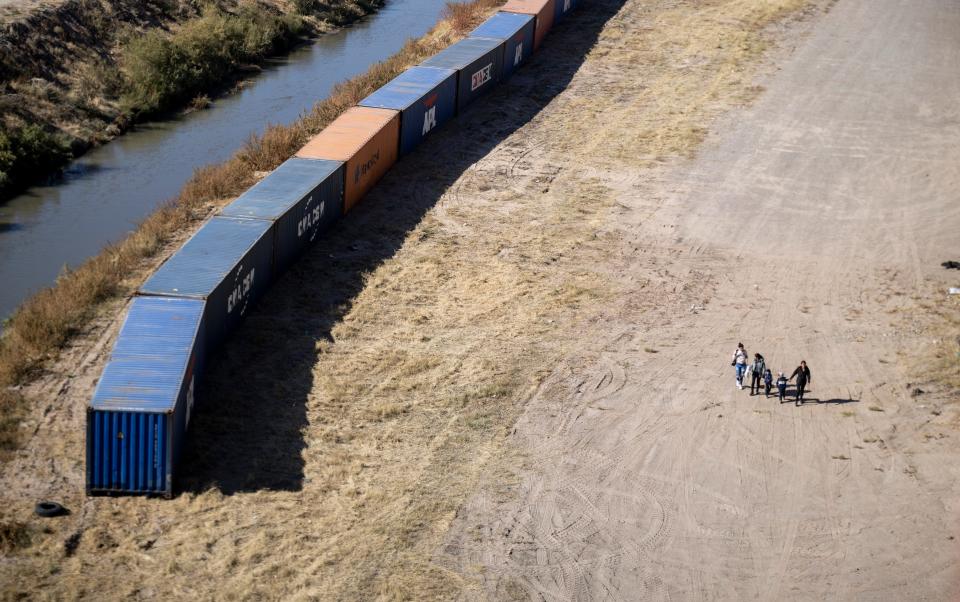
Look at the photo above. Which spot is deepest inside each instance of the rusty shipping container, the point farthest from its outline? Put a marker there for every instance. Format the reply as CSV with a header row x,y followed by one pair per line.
x,y
364,138
543,10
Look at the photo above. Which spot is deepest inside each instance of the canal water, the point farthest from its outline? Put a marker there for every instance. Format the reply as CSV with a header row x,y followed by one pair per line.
x,y
105,193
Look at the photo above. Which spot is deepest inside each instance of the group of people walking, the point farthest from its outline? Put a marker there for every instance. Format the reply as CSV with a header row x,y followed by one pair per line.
x,y
760,374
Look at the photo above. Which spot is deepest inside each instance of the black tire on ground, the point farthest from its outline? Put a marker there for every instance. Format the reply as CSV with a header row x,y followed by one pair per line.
x,y
49,509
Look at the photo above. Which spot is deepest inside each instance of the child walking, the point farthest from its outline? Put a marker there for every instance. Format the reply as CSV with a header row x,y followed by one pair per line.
x,y
767,381
782,386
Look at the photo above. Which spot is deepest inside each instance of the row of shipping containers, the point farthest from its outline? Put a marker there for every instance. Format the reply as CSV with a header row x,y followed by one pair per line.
x,y
141,409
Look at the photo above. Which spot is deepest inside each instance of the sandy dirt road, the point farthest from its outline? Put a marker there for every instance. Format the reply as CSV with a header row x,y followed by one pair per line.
x,y
506,375
803,228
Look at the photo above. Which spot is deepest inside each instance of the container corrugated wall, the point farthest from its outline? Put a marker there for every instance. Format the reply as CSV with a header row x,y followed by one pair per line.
x,y
563,7
303,197
543,10
426,98
516,30
478,62
140,410
367,140
228,262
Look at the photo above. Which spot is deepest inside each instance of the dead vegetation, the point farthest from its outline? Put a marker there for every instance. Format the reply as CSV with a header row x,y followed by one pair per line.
x,y
12,411
77,73
394,360
936,360
43,323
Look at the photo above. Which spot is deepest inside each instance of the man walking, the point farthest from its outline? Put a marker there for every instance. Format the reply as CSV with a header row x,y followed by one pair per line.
x,y
756,371
803,377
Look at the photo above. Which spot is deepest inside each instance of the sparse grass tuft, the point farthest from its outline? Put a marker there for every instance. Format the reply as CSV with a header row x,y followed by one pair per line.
x,y
14,536
875,409
462,15
12,411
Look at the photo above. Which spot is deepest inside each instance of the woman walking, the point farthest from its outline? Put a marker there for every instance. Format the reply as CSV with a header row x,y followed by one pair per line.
x,y
803,377
740,363
757,370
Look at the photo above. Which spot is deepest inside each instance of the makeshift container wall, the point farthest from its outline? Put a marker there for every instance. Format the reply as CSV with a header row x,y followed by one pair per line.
x,y
367,140
543,10
516,30
228,263
563,7
141,408
478,63
426,98
303,197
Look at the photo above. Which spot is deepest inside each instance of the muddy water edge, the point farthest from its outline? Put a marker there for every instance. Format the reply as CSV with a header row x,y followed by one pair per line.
x,y
104,194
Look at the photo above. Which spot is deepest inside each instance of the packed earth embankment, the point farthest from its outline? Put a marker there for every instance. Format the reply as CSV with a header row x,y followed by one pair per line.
x,y
77,73
506,374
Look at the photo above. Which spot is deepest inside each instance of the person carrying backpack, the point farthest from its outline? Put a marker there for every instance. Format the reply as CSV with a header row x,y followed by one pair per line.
x,y
739,363
803,377
756,373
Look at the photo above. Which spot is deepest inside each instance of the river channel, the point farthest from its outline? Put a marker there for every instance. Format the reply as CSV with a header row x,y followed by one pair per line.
x,y
104,194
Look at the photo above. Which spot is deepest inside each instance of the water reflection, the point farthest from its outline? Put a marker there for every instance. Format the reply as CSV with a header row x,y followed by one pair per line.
x,y
104,194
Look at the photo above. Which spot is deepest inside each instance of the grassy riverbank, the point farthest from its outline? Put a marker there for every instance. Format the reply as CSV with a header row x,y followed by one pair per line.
x,y
76,75
43,324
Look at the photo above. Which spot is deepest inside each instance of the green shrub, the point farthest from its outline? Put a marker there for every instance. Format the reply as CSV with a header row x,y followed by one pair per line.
x,y
27,153
163,71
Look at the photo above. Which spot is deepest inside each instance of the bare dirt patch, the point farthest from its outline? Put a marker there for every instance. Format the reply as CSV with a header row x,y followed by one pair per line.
x,y
487,317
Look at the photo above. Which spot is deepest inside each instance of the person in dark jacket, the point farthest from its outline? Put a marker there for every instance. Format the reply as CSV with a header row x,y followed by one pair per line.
x,y
782,386
802,373
757,369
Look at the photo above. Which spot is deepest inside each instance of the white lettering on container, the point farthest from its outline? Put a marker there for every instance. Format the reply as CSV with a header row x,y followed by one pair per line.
x,y
429,120
241,289
311,217
189,403
566,5
518,54
481,77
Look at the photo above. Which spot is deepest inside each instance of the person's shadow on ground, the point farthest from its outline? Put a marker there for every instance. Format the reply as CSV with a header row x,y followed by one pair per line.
x,y
791,394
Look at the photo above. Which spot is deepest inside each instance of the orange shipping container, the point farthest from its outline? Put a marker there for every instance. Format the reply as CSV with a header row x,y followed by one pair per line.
x,y
367,140
542,9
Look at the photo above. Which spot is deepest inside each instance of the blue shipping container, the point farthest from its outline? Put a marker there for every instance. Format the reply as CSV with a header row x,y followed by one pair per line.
x,y
563,7
516,30
303,197
140,411
228,262
478,63
426,98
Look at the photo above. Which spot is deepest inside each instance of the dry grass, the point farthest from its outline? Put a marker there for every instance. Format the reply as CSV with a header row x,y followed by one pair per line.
x,y
46,321
685,79
462,17
941,359
12,411
409,389
14,536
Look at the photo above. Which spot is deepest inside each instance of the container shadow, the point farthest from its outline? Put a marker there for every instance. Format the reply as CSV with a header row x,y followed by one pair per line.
x,y
249,433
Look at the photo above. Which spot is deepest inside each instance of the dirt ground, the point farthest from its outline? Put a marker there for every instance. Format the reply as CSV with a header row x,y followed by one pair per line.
x,y
506,376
